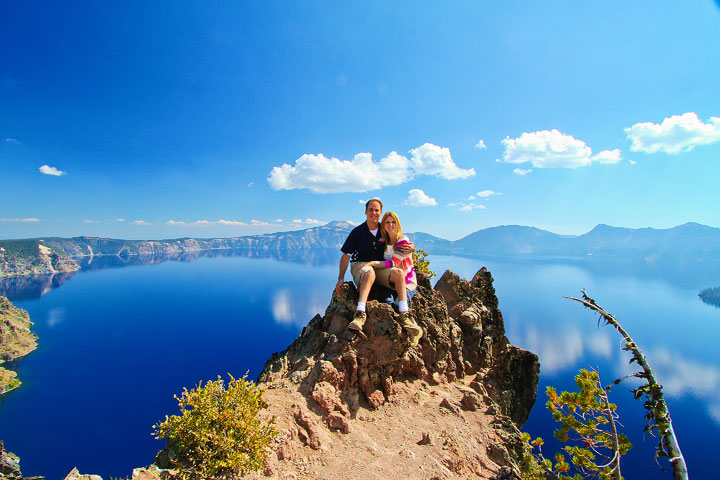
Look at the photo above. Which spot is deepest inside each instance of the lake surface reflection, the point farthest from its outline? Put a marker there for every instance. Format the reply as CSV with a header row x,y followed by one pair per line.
x,y
117,343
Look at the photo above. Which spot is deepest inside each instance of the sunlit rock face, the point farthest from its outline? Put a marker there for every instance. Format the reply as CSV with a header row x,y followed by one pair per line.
x,y
32,257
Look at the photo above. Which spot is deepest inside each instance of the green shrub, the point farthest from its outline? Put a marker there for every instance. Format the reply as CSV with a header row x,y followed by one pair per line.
x,y
589,421
422,264
218,432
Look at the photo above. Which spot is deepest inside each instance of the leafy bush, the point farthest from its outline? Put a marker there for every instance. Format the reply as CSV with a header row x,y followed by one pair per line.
x,y
218,432
421,264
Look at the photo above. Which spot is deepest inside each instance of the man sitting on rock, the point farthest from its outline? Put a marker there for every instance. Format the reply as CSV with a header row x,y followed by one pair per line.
x,y
365,244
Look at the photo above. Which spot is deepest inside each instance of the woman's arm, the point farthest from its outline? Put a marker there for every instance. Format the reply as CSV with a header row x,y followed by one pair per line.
x,y
381,264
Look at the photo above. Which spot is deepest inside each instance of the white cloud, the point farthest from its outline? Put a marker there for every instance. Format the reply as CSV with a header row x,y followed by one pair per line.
x,y
31,219
48,170
429,159
522,171
259,223
468,205
251,184
553,149
12,140
679,133
119,219
418,198
321,174
231,222
205,223
91,221
608,157
481,145
313,221
141,222
471,206
297,220
278,220
487,194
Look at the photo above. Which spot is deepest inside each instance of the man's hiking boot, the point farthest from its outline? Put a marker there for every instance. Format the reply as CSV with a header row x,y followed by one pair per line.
x,y
358,321
409,325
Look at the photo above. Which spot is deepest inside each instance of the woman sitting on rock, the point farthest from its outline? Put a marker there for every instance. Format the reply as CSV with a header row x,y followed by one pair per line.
x,y
397,271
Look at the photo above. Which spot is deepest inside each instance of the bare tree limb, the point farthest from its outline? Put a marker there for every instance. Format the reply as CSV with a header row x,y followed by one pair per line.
x,y
658,414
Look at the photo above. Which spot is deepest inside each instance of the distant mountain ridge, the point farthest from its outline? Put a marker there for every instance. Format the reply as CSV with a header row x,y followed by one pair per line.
x,y
689,243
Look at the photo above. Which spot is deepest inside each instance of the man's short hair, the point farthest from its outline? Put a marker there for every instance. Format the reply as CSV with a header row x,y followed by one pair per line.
x,y
367,204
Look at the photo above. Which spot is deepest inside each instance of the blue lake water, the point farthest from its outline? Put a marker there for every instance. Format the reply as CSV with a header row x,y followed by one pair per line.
x,y
117,343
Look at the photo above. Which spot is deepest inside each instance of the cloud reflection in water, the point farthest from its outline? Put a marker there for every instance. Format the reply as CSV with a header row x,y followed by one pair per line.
x,y
296,307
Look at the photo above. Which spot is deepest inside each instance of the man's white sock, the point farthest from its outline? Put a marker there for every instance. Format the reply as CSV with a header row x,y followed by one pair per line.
x,y
361,306
403,306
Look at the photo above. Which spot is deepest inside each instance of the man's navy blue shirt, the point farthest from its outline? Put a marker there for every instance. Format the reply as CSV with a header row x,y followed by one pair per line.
x,y
363,246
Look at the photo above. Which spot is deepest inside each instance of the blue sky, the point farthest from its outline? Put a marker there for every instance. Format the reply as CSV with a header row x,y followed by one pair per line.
x,y
158,119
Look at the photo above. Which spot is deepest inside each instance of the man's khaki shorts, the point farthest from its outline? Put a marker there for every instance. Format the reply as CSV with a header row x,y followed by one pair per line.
x,y
382,275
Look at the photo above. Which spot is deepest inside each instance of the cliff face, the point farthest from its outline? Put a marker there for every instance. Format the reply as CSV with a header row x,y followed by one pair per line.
x,y
448,407
32,257
16,341
53,255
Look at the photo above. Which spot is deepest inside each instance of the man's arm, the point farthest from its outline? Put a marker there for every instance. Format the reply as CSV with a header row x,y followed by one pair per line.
x,y
409,247
344,260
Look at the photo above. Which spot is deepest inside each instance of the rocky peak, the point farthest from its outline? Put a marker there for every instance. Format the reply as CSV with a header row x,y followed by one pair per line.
x,y
463,377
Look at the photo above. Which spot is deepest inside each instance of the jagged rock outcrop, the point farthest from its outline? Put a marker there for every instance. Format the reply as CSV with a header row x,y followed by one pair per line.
x,y
464,335
454,401
10,466
16,341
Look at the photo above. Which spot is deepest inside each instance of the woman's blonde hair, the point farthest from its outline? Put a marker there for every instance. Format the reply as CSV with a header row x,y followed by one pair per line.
x,y
390,241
